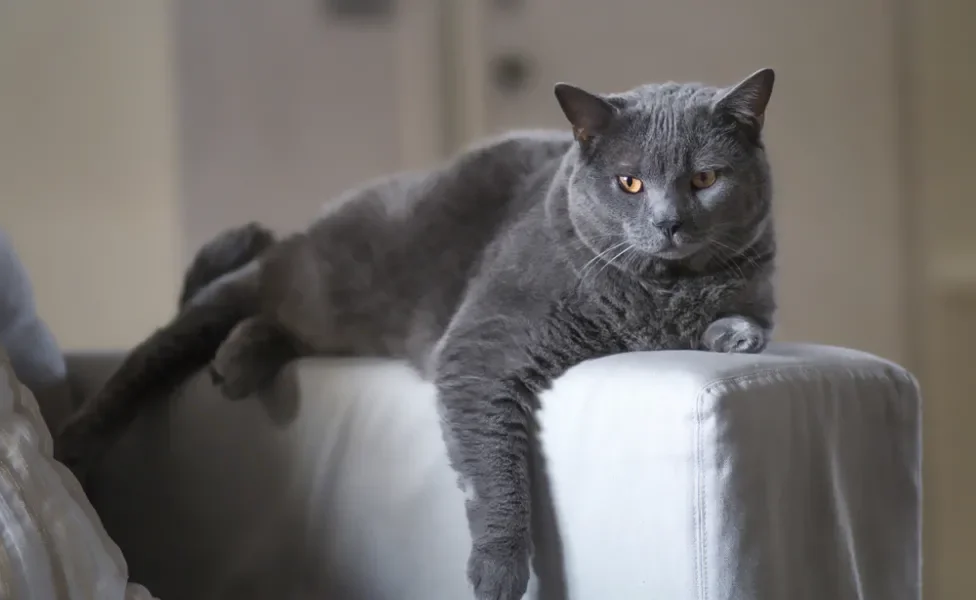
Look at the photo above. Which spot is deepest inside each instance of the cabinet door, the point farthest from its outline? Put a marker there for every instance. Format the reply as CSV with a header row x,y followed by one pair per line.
x,y
88,164
285,104
831,126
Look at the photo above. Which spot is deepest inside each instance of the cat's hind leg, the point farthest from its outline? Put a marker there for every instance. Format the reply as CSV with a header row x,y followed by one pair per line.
x,y
228,252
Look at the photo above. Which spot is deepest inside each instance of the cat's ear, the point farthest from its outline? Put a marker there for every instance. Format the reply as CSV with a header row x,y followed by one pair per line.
x,y
747,100
588,113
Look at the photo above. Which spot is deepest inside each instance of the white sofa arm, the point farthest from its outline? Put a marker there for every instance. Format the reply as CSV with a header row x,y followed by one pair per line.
x,y
794,474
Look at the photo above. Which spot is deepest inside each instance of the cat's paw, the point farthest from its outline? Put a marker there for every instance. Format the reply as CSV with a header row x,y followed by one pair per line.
x,y
735,334
250,358
235,383
499,569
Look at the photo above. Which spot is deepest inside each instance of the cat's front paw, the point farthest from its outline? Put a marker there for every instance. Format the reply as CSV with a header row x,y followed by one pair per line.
x,y
234,383
499,569
735,334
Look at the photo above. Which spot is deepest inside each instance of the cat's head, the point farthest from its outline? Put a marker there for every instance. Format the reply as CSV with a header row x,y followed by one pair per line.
x,y
670,171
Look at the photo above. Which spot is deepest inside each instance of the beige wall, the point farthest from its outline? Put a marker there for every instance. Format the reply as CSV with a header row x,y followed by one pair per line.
x,y
87,163
944,153
276,118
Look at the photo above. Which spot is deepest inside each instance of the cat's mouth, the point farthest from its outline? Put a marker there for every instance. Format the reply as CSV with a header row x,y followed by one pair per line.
x,y
674,246
677,250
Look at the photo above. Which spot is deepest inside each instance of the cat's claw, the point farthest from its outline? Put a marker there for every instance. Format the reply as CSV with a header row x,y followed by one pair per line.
x,y
736,335
233,387
499,570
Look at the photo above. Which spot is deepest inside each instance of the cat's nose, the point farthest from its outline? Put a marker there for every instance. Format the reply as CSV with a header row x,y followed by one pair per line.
x,y
668,226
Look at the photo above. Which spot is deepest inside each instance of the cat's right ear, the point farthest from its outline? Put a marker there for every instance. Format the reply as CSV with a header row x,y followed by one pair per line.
x,y
588,113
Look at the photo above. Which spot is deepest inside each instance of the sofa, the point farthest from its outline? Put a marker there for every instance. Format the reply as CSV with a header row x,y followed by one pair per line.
x,y
794,474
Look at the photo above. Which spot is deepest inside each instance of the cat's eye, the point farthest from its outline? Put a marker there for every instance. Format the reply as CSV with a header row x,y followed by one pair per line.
x,y
631,185
703,179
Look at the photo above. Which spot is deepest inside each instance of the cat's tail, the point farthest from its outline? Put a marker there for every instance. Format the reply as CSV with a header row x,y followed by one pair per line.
x,y
214,300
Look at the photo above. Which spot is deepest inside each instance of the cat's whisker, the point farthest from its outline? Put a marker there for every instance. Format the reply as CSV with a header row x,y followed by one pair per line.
x,y
583,270
611,261
743,254
726,259
732,262
748,251
629,256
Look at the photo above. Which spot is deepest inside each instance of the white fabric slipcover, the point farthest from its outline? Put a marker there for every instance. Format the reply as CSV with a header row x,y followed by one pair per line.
x,y
793,475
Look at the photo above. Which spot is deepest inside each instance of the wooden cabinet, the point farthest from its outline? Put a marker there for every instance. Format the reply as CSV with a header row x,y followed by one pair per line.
x,y
285,104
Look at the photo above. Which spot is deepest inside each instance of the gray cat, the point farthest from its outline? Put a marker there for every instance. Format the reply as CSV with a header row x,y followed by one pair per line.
x,y
649,228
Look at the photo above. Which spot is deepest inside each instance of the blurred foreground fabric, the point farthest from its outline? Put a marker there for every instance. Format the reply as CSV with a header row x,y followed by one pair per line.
x,y
52,544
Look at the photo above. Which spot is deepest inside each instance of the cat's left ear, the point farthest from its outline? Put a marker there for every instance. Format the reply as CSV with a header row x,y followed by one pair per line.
x,y
588,113
748,99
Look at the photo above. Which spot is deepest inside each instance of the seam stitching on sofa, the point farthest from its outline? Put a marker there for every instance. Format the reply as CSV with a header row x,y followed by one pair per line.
x,y
898,377
805,369
702,512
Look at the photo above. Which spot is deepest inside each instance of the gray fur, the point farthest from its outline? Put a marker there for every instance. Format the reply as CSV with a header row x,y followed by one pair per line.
x,y
495,273
228,252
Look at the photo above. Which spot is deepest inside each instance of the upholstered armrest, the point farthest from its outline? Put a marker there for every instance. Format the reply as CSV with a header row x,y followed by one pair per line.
x,y
794,474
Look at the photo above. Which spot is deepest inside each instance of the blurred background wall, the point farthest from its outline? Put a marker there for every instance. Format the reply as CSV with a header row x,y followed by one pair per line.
x,y
88,164
940,203
132,131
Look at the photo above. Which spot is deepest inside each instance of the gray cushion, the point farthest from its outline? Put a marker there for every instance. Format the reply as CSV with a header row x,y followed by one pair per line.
x,y
33,351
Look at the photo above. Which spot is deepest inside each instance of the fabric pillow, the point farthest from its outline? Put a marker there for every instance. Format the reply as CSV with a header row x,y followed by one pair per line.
x,y
33,351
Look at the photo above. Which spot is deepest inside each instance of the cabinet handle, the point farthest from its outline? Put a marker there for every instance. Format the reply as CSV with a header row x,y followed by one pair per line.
x,y
511,72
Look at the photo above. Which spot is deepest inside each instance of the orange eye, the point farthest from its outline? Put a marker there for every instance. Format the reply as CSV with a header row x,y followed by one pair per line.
x,y
631,185
703,179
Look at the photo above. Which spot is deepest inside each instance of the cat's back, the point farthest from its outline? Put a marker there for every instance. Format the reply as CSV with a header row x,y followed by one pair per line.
x,y
485,168
399,252
488,177
514,153
461,202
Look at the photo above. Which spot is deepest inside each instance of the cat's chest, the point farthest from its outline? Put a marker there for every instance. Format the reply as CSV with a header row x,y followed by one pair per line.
x,y
666,316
